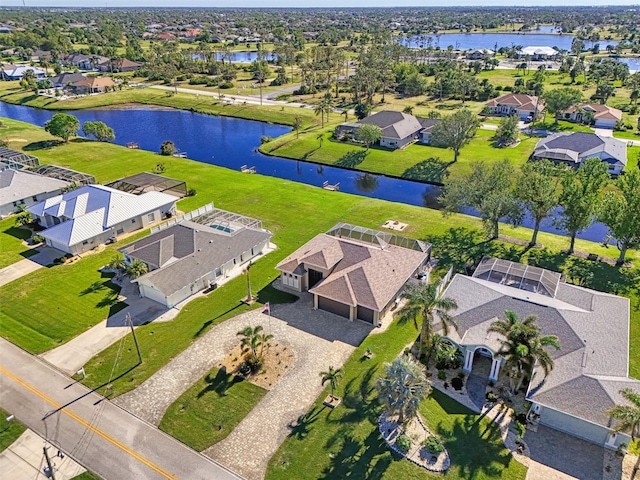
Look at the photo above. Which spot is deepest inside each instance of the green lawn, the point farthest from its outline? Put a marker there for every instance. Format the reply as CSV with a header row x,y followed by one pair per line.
x,y
86,476
11,248
210,409
345,442
9,432
418,162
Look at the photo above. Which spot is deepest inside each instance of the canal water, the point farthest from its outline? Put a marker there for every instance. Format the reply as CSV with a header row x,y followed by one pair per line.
x,y
232,143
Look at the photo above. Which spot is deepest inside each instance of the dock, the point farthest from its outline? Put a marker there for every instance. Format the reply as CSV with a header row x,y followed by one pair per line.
x,y
179,154
334,188
247,169
133,145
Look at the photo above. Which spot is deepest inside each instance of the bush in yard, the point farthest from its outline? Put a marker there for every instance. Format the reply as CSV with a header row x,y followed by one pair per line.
x,y
433,444
442,375
37,239
403,443
168,148
457,383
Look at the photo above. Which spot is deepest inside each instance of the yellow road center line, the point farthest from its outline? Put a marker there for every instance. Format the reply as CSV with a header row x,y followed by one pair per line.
x,y
87,425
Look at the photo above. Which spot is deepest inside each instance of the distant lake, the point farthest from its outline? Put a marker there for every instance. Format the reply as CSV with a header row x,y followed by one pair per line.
x,y
634,63
238,57
233,142
468,41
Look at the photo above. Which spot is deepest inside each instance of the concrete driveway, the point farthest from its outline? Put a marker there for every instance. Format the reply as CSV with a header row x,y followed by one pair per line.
x,y
45,256
559,456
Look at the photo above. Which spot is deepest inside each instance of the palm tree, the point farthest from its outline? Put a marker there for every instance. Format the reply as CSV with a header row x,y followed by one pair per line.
x,y
252,339
136,269
403,388
424,303
523,347
332,376
628,415
117,262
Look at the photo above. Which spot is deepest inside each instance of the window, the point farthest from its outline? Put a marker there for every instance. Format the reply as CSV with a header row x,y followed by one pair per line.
x,y
151,217
234,261
85,242
15,204
133,220
34,198
218,272
120,231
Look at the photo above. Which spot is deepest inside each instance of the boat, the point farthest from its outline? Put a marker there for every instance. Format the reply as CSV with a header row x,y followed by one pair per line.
x,y
180,154
334,188
133,145
247,169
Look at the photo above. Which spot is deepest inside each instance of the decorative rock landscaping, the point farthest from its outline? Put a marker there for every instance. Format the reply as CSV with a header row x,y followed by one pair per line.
x,y
417,432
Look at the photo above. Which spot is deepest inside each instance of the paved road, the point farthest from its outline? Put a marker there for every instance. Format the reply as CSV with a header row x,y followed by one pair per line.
x,y
96,433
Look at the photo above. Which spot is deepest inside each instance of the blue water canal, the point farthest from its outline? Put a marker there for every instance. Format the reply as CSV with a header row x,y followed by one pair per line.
x,y
231,143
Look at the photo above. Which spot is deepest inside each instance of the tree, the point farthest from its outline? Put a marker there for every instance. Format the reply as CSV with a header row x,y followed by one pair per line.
x,y
507,133
402,388
323,108
490,190
455,131
628,416
368,134
424,307
604,90
168,148
297,123
63,125
23,218
332,376
560,99
100,130
580,197
117,262
523,347
537,189
620,211
362,110
251,339
136,269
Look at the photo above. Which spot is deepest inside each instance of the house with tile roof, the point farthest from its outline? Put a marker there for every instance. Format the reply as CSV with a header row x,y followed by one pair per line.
x,y
21,189
572,148
119,65
66,79
93,85
525,106
601,116
398,128
88,216
354,272
592,365
190,255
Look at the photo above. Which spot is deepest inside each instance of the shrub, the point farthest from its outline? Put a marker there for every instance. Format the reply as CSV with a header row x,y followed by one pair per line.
x,y
168,148
521,428
226,85
457,383
253,362
37,238
461,374
491,397
442,375
191,192
403,443
433,444
266,139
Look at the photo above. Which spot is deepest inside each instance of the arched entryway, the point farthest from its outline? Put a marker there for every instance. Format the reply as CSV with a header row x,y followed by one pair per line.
x,y
482,362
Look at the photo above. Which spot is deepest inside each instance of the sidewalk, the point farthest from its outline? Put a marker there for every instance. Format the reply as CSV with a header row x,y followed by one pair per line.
x,y
24,460
45,256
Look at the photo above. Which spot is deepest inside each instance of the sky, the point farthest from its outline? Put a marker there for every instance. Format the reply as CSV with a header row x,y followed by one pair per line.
x,y
307,3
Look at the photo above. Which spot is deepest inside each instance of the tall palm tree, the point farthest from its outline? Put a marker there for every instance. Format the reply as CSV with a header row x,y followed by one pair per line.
x,y
424,305
628,415
136,269
523,347
403,388
332,376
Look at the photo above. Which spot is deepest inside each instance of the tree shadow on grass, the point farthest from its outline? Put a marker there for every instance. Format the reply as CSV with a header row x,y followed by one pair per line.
x,y
351,159
218,384
272,295
459,247
205,326
431,170
42,145
302,426
356,459
94,287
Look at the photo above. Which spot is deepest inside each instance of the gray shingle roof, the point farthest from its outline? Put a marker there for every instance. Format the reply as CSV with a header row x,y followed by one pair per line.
x,y
560,146
593,329
394,124
17,185
188,251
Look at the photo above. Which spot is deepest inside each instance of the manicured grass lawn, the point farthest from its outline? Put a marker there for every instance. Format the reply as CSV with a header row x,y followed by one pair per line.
x,y
86,476
11,248
210,409
345,442
399,163
9,432
293,212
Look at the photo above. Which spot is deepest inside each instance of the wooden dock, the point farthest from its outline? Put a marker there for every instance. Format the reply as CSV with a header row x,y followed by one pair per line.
x,y
179,154
133,145
247,169
334,188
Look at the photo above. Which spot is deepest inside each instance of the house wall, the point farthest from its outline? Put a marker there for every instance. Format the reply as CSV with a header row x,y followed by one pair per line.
x,y
26,202
152,293
605,123
395,142
580,428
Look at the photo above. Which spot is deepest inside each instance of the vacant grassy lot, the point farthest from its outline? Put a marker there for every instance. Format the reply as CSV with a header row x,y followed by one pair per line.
x,y
210,409
11,248
9,432
345,442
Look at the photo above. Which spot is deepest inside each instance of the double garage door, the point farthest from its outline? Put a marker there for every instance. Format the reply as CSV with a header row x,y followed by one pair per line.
x,y
343,310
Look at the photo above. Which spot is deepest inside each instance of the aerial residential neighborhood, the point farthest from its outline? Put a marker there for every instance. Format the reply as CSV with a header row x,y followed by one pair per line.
x,y
319,241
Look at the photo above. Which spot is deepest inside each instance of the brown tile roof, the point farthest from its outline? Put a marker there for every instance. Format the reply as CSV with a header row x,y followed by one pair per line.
x,y
95,82
599,111
519,100
363,273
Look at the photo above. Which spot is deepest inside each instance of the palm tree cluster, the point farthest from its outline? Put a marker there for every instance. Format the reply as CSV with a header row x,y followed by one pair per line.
x,y
424,306
253,342
523,347
628,416
402,388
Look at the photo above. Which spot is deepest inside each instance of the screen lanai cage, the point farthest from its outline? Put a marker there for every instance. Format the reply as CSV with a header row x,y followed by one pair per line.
x,y
66,174
16,160
150,182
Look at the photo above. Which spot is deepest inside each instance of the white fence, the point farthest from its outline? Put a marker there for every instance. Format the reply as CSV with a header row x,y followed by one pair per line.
x,y
445,281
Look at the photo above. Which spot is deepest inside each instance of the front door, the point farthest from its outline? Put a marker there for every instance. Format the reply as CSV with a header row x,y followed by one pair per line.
x,y
314,277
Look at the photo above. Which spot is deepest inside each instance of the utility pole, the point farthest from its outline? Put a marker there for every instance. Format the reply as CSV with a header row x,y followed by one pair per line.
x,y
135,340
46,456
